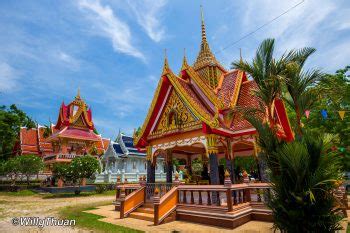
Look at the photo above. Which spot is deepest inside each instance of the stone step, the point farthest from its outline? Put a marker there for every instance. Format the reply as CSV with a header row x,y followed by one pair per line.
x,y
148,205
145,210
142,216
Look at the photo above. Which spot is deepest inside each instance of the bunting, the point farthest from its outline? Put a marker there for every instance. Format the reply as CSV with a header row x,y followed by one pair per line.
x,y
324,114
307,113
341,114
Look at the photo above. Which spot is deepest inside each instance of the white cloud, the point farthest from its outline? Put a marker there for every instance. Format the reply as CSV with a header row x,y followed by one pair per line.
x,y
68,59
109,25
147,14
309,24
8,77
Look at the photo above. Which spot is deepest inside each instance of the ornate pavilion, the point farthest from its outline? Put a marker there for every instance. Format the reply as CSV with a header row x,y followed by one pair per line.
x,y
73,135
196,114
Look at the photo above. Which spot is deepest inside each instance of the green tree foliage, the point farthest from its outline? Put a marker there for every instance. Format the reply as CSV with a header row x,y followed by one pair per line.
x,y
30,165
11,170
61,171
305,172
248,164
333,95
11,119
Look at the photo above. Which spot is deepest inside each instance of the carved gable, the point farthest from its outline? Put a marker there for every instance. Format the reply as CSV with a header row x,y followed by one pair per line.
x,y
79,123
175,115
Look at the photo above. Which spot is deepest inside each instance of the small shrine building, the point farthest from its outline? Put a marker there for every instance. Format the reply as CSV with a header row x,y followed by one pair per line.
x,y
196,114
73,135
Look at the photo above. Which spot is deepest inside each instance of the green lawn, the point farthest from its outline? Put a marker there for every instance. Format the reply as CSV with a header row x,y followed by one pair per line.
x,y
90,221
58,195
83,194
21,193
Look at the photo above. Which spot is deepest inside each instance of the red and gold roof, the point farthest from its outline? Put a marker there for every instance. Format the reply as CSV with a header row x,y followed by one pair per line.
x,y
209,93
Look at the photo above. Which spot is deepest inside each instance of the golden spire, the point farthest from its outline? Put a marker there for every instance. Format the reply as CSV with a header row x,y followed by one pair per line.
x,y
205,56
166,64
204,36
184,61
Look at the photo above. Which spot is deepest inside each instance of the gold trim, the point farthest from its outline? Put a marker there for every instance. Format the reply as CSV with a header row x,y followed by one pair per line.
x,y
204,88
237,89
149,113
194,107
212,144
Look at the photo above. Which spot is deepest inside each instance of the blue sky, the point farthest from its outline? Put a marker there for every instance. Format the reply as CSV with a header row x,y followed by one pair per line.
x,y
114,50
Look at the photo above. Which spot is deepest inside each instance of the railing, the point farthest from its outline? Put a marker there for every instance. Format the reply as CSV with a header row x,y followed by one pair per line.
x,y
128,188
60,156
166,205
131,202
209,195
162,187
222,196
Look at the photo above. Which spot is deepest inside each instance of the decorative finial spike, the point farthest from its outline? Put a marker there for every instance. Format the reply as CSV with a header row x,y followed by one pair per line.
x,y
166,64
78,94
184,61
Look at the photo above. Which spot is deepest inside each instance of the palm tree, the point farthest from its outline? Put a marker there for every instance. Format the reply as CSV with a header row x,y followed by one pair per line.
x,y
303,173
299,82
301,97
266,72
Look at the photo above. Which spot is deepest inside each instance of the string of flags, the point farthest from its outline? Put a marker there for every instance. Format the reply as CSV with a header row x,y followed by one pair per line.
x,y
324,114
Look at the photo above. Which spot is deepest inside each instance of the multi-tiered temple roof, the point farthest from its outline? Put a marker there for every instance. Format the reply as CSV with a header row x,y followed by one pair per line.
x,y
74,123
204,96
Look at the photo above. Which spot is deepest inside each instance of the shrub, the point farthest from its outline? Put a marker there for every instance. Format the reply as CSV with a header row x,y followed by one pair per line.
x,y
30,165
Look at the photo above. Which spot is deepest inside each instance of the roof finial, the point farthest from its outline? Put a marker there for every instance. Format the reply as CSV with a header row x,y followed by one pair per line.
x,y
78,94
184,61
204,36
166,64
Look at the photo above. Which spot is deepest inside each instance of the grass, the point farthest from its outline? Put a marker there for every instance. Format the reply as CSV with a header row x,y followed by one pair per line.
x,y
21,193
91,221
27,192
82,194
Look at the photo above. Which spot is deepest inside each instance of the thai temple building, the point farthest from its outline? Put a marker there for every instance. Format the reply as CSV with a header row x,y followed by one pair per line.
x,y
73,135
123,160
195,115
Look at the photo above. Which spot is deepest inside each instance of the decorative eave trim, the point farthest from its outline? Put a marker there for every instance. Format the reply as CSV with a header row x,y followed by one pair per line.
x,y
204,88
237,89
149,113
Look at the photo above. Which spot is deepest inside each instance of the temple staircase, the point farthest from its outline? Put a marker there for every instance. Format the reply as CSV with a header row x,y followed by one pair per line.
x,y
220,205
144,212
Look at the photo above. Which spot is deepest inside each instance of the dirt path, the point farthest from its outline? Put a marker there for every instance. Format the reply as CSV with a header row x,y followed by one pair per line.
x,y
39,206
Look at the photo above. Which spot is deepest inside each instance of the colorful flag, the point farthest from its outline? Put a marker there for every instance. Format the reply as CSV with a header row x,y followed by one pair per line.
x,y
341,114
307,113
324,113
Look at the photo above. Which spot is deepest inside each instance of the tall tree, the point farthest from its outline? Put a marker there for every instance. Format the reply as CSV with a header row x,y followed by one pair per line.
x,y
300,96
11,120
266,71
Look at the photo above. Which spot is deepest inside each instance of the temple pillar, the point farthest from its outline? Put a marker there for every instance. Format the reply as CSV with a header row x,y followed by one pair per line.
x,y
230,160
151,168
213,158
169,166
